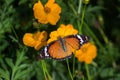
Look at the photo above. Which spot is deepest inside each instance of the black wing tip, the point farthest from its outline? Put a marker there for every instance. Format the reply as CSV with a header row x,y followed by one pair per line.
x,y
41,55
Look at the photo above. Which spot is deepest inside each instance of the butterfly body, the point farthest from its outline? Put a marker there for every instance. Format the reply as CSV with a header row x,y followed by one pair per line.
x,y
63,47
62,43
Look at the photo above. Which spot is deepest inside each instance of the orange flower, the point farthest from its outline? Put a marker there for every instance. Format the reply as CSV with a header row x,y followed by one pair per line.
x,y
62,31
36,40
86,53
49,13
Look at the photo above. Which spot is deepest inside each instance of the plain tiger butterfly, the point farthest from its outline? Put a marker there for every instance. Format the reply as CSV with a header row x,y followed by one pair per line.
x,y
62,47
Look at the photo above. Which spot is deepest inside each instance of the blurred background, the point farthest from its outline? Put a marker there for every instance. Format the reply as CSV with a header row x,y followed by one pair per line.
x,y
101,23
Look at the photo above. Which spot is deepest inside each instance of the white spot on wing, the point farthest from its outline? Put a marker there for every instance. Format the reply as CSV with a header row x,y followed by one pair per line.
x,y
45,50
40,55
81,40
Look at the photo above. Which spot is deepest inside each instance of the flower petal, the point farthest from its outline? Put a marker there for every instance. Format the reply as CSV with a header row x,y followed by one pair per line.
x,y
50,2
87,53
53,18
43,36
56,9
39,13
88,60
49,13
53,36
39,45
36,40
70,30
61,30
28,39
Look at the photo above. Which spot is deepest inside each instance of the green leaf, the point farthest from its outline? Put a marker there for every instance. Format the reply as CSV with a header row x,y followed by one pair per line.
x,y
3,44
13,39
23,73
23,66
9,1
108,72
94,9
20,57
9,62
4,74
2,64
22,2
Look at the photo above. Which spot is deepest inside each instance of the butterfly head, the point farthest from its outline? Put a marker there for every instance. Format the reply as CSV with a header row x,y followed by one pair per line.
x,y
86,39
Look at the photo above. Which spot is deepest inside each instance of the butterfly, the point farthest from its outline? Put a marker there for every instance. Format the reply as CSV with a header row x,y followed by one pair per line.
x,y
62,48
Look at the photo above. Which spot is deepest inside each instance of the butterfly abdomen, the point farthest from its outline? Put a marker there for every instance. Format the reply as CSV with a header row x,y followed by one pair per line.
x,y
62,43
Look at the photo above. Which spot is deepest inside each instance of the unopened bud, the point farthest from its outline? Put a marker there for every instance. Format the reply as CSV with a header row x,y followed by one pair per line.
x,y
86,1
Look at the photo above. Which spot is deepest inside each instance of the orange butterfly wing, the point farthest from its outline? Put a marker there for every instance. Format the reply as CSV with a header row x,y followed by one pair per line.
x,y
56,51
76,41
73,42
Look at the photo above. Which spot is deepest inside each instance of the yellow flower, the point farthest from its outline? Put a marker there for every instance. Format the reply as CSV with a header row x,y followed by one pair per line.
x,y
36,40
86,53
48,13
62,31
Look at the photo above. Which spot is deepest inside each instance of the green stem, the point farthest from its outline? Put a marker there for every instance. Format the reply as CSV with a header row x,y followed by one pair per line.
x,y
82,20
79,7
49,77
93,35
79,12
46,71
104,36
73,65
16,36
69,69
79,27
42,62
87,70
73,9
83,78
14,32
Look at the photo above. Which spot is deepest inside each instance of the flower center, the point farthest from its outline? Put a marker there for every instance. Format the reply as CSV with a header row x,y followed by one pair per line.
x,y
47,10
36,36
84,49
